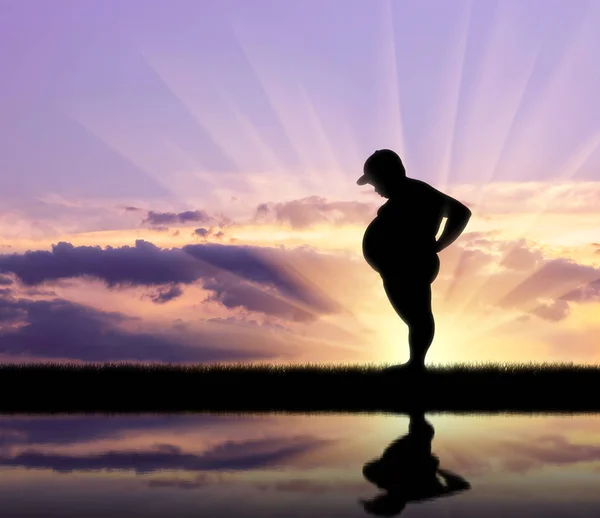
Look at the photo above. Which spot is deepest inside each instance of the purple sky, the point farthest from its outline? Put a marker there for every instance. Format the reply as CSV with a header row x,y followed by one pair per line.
x,y
172,82
214,145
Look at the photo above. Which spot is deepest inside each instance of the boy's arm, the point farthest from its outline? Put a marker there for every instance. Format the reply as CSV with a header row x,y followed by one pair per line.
x,y
453,481
458,216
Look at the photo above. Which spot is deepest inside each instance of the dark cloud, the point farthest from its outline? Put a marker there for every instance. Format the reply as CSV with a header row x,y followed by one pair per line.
x,y
61,329
306,212
132,209
166,294
145,264
174,218
227,456
202,232
5,281
233,293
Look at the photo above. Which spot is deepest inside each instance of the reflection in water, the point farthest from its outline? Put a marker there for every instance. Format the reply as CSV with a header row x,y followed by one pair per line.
x,y
408,471
296,466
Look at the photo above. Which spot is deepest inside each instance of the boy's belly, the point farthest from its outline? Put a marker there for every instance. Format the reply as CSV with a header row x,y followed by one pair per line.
x,y
416,259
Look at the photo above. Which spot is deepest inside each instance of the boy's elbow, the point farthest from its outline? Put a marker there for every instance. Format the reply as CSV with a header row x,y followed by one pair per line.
x,y
461,212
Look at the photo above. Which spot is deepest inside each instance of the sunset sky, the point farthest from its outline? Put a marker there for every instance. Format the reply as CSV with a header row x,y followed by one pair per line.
x,y
178,178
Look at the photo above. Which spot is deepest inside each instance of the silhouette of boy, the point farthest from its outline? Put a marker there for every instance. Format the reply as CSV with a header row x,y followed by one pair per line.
x,y
400,244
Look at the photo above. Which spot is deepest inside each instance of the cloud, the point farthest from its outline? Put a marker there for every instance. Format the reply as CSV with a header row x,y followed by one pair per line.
x,y
233,293
554,311
62,329
166,294
519,257
557,197
173,218
202,232
227,456
552,280
220,267
314,210
589,292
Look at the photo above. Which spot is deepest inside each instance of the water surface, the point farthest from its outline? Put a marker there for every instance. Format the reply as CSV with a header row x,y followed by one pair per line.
x,y
291,465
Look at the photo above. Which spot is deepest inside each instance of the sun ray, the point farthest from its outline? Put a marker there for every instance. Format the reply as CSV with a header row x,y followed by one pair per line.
x,y
392,96
568,171
291,301
334,176
111,143
213,125
281,100
455,100
494,170
529,222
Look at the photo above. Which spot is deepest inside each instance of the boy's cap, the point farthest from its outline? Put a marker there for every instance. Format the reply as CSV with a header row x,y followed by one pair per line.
x,y
381,161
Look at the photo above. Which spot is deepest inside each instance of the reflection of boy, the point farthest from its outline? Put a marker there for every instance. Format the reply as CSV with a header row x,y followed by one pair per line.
x,y
408,472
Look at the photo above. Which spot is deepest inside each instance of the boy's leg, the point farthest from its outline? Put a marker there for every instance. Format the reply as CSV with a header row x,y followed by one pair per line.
x,y
412,303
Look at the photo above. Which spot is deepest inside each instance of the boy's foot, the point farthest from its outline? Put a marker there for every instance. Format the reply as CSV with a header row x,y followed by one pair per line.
x,y
408,368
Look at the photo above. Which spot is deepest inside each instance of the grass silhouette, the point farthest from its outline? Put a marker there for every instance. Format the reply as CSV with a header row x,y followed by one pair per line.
x,y
132,387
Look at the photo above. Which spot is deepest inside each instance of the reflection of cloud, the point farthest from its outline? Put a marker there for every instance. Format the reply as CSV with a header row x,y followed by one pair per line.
x,y
294,485
200,480
228,456
310,486
548,449
496,454
22,430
